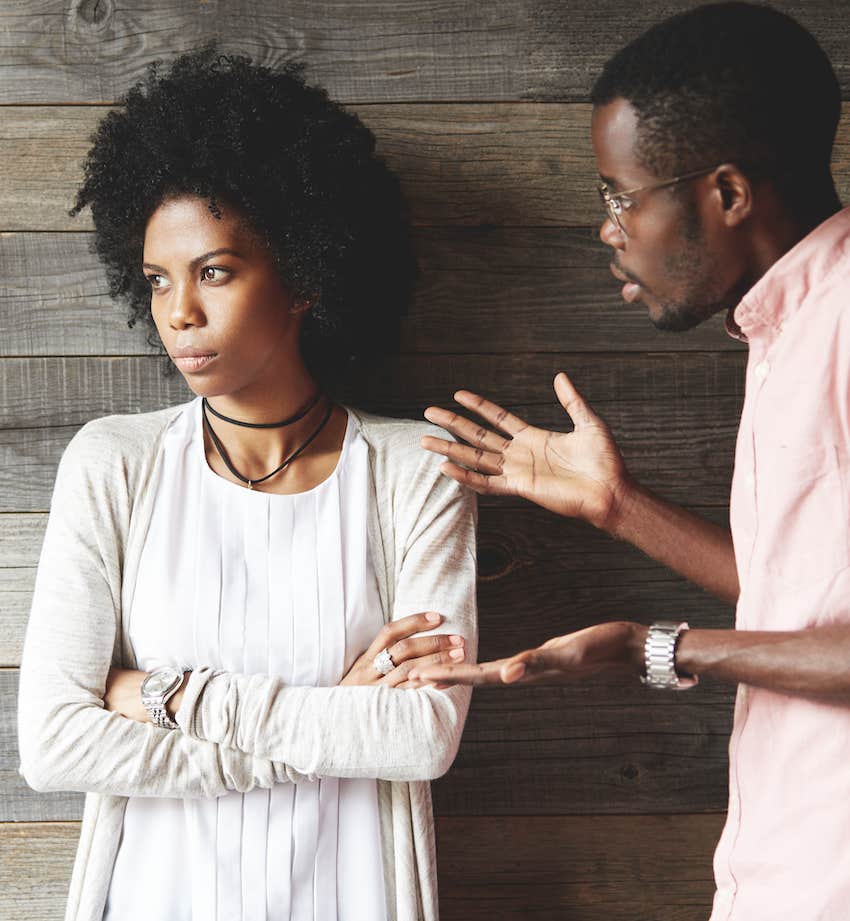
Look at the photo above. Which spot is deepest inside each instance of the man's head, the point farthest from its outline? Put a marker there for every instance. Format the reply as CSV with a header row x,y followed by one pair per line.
x,y
741,102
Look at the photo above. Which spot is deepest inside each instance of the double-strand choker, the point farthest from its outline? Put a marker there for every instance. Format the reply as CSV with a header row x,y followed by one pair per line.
x,y
299,415
222,453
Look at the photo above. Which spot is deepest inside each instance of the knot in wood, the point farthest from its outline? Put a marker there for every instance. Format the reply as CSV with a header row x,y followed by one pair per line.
x,y
630,771
94,13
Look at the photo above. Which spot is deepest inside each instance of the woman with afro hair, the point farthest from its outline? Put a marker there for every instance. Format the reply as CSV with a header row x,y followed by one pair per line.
x,y
232,592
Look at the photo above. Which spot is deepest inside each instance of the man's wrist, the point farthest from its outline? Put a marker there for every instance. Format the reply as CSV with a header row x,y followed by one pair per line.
x,y
636,648
625,507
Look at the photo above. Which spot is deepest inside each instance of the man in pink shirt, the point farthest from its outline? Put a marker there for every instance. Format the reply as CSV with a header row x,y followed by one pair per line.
x,y
713,134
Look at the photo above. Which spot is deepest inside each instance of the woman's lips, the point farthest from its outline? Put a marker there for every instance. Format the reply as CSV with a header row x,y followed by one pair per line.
x,y
192,360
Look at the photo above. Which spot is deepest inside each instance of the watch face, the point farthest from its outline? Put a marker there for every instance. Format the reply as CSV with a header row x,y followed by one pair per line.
x,y
157,683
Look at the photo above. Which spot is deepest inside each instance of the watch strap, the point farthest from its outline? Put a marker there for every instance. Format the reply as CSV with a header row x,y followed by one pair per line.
x,y
660,657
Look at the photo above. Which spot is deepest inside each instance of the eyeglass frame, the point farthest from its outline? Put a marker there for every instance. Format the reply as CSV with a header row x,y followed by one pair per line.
x,y
609,200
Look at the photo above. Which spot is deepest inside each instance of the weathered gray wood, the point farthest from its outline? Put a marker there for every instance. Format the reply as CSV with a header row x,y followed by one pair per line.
x,y
575,867
361,50
18,803
640,752
515,164
35,869
585,577
482,290
36,392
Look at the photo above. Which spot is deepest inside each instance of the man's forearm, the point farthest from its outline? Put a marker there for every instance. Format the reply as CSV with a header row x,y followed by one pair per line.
x,y
811,663
689,545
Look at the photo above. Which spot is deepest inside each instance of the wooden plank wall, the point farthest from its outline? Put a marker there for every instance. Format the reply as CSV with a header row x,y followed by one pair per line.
x,y
582,803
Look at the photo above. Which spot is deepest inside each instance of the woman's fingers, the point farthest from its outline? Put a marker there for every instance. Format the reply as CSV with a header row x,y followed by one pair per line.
x,y
420,647
397,630
401,674
473,458
483,673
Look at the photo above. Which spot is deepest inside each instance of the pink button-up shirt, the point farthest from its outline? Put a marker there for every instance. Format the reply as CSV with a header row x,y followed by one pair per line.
x,y
785,851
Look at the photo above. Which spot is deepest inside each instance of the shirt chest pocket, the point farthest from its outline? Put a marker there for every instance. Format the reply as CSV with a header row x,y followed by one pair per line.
x,y
802,514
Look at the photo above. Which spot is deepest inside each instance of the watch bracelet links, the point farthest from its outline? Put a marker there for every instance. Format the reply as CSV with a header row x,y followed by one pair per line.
x,y
160,717
660,657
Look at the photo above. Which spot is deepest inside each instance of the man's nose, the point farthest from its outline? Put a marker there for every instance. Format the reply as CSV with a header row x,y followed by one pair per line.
x,y
611,234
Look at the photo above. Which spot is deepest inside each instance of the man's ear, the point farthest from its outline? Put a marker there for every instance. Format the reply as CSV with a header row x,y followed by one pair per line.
x,y
734,192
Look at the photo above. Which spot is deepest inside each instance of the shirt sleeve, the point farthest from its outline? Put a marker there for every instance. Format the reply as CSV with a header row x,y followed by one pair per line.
x,y
373,731
68,741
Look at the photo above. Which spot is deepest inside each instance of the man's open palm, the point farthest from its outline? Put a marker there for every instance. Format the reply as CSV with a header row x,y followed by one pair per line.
x,y
578,474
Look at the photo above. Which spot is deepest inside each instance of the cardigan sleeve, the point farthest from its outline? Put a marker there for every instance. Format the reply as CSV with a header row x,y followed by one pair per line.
x,y
68,741
373,731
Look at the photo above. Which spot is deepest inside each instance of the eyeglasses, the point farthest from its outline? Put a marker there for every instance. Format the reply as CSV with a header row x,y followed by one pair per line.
x,y
619,202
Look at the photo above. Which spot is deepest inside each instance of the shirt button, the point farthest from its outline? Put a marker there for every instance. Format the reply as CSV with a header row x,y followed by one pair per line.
x,y
762,369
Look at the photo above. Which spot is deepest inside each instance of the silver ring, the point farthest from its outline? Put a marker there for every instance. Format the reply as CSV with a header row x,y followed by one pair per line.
x,y
383,662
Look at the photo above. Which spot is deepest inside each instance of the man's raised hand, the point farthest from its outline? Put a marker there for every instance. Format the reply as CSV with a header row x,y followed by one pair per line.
x,y
579,474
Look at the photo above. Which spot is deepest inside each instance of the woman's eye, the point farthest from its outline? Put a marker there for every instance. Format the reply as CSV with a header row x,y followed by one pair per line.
x,y
213,273
155,281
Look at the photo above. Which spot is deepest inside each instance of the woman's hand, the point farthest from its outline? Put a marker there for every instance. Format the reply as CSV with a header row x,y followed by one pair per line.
x,y
407,651
579,474
123,694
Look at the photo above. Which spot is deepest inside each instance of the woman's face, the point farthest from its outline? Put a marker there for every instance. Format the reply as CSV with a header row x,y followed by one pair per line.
x,y
221,308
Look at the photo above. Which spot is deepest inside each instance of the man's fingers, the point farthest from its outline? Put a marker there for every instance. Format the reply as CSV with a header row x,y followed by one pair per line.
x,y
474,458
493,413
572,401
483,484
483,673
472,432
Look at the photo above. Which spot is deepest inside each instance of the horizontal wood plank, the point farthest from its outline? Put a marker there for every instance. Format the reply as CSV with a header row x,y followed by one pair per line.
x,y
506,164
560,575
497,290
600,747
360,50
575,867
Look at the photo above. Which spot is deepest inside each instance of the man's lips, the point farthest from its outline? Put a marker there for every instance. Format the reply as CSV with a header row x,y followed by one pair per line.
x,y
631,289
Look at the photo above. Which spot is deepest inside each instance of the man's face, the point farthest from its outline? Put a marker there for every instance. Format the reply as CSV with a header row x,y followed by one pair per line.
x,y
670,253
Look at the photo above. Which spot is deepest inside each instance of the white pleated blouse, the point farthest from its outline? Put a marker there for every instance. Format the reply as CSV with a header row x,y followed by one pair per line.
x,y
254,583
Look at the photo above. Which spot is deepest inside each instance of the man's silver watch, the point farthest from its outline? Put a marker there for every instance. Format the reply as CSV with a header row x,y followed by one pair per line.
x,y
158,687
660,657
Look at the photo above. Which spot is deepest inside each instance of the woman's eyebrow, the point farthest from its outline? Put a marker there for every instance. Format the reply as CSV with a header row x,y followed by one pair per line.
x,y
198,260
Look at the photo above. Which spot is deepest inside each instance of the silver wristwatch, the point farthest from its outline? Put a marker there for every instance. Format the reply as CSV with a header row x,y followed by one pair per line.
x,y
660,657
158,687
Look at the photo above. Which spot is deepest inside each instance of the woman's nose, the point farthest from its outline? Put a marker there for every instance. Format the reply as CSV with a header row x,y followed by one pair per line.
x,y
185,308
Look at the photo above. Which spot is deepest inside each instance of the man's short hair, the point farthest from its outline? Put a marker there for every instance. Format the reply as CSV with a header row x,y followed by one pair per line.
x,y
729,82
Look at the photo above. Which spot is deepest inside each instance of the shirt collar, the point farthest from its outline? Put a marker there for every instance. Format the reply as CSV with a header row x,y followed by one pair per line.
x,y
779,293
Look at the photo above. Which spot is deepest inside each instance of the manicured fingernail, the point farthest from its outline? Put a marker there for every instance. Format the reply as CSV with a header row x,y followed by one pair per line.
x,y
456,654
432,617
456,640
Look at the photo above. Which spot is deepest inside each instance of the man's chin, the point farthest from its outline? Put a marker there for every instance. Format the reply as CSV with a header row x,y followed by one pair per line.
x,y
676,318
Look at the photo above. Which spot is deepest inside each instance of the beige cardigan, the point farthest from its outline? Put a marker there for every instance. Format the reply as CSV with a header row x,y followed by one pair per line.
x,y
238,731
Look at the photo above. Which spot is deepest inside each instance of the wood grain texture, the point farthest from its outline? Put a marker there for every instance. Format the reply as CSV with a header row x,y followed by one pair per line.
x,y
617,868
561,574
675,416
576,867
35,869
495,291
610,747
364,50
506,164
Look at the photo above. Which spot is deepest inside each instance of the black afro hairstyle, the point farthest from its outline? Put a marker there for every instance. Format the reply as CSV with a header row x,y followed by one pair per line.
x,y
729,82
301,170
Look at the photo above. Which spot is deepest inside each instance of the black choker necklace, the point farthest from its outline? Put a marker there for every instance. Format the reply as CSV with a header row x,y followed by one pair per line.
x,y
222,453
266,425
